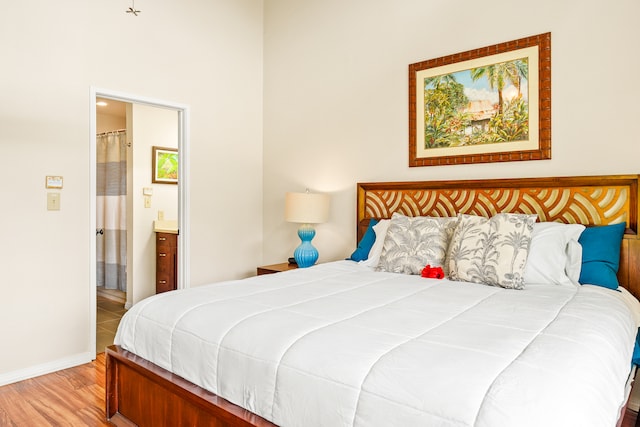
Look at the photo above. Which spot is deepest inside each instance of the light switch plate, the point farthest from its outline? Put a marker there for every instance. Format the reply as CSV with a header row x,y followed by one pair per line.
x,y
53,201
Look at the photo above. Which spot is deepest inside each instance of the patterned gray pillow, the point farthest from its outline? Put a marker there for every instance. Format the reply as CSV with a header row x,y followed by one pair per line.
x,y
491,251
413,242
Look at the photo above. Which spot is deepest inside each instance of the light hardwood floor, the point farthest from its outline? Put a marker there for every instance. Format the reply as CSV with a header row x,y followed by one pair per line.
x,y
71,397
109,313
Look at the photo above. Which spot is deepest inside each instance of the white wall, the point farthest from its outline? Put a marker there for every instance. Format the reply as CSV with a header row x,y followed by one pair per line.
x,y
336,96
109,122
203,53
151,126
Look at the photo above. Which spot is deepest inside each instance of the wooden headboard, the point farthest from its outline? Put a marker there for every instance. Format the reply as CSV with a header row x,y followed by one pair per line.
x,y
588,200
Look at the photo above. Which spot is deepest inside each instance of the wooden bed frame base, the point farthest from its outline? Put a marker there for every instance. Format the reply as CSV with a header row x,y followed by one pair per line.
x,y
141,393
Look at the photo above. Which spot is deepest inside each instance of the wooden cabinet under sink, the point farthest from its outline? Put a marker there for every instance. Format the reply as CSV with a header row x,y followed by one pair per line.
x,y
166,262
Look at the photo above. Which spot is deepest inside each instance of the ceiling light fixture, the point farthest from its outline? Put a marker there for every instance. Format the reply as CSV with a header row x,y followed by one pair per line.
x,y
101,104
133,9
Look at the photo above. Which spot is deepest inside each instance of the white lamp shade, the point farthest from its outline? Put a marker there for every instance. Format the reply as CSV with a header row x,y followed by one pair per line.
x,y
306,208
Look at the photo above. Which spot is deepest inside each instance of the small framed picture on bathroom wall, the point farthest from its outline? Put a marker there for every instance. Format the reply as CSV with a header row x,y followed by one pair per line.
x,y
164,165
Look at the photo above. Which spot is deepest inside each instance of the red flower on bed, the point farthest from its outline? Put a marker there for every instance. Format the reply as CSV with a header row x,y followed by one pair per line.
x,y
433,272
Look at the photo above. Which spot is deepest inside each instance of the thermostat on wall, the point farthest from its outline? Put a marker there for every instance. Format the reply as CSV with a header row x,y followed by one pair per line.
x,y
147,191
54,182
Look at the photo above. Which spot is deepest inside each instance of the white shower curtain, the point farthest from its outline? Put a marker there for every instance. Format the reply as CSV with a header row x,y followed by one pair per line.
x,y
111,211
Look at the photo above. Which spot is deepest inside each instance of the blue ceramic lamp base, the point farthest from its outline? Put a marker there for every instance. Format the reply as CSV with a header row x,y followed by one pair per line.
x,y
305,254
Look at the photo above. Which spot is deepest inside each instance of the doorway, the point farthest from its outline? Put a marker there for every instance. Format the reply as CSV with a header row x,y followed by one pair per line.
x,y
177,115
114,156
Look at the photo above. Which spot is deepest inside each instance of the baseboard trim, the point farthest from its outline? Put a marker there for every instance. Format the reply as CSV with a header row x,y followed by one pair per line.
x,y
45,368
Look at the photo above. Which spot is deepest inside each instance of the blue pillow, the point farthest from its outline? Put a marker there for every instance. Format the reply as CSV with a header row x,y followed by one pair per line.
x,y
636,350
601,255
364,246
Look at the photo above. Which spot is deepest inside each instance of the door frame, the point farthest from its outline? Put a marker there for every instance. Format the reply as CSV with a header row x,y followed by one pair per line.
x,y
183,190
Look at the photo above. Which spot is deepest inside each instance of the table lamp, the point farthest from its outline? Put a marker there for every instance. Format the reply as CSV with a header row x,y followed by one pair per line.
x,y
306,209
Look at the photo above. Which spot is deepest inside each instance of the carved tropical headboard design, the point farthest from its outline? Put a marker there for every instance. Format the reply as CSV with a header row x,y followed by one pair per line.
x,y
588,200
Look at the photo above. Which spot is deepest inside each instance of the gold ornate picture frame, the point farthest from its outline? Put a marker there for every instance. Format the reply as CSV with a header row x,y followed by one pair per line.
x,y
491,104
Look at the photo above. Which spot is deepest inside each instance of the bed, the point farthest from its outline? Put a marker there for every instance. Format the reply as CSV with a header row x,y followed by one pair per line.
x,y
344,344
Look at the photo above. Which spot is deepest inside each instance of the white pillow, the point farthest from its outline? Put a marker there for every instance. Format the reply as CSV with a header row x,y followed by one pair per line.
x,y
491,251
555,255
380,229
412,243
574,261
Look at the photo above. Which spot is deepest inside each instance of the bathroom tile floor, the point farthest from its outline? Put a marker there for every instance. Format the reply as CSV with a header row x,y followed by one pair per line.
x,y
108,318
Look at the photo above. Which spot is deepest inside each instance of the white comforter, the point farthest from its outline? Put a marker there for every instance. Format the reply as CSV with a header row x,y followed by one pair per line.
x,y
339,345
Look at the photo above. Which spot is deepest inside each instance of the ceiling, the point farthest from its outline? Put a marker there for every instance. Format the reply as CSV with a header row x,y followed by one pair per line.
x,y
113,108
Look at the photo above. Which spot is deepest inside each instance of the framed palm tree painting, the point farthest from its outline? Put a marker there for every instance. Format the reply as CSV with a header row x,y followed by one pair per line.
x,y
491,104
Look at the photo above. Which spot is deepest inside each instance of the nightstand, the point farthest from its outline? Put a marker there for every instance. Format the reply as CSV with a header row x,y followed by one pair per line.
x,y
276,268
